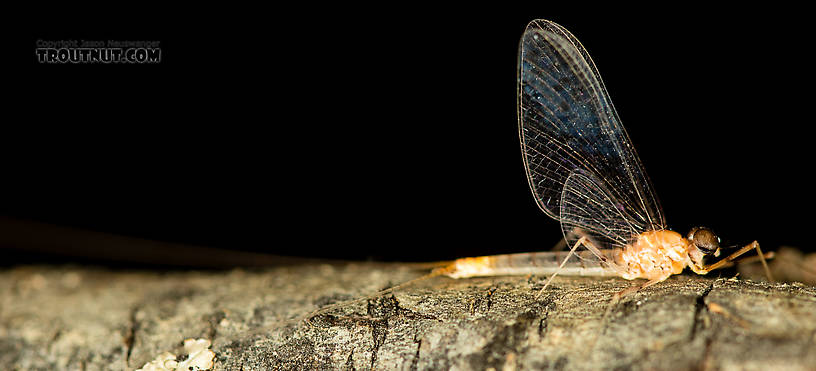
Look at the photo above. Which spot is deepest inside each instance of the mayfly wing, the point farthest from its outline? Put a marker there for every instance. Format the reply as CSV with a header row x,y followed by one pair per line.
x,y
567,125
588,209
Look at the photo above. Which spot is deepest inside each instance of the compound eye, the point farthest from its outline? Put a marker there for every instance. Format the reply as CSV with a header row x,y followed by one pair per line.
x,y
705,240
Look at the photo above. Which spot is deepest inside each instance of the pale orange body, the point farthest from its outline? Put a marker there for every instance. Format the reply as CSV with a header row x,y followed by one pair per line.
x,y
655,255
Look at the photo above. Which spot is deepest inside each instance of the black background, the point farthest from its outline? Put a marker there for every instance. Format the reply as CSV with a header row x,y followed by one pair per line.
x,y
393,135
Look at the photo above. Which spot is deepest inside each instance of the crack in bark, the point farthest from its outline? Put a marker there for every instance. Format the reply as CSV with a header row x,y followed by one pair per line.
x,y
130,337
490,297
379,331
699,306
544,321
381,309
477,301
214,320
698,324
350,361
415,361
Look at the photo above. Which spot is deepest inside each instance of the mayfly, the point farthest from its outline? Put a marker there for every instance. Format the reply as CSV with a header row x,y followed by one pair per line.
x,y
584,172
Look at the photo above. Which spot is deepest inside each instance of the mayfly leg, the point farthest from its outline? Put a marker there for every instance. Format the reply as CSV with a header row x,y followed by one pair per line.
x,y
727,260
591,247
752,259
581,241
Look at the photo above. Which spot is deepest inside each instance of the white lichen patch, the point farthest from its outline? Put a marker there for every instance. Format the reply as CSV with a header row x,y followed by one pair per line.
x,y
199,357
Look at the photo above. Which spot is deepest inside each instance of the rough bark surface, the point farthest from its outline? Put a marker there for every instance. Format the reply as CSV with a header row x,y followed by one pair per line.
x,y
83,318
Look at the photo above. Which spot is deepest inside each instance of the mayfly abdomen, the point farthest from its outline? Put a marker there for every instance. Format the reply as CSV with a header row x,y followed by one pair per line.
x,y
538,263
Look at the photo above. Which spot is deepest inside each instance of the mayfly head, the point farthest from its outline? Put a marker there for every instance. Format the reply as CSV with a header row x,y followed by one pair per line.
x,y
704,243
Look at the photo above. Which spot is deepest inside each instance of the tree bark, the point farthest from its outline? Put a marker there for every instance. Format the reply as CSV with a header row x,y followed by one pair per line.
x,y
80,318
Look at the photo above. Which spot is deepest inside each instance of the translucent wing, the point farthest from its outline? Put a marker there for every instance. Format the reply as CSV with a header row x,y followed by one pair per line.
x,y
573,142
587,208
